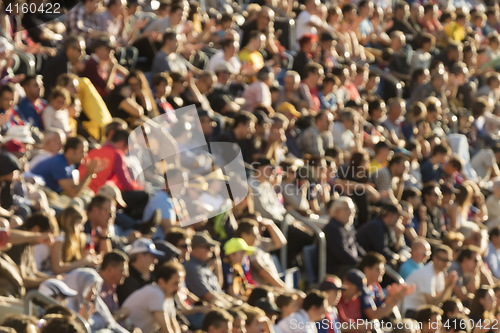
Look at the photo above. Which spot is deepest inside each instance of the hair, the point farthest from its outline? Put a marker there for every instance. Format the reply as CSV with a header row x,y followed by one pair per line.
x,y
441,149
246,227
159,78
60,92
285,300
410,192
73,238
425,312
116,123
216,318
479,107
120,135
314,298
254,34
456,163
42,220
449,306
397,159
98,201
252,313
169,35
467,252
58,309
27,80
464,195
442,249
258,293
494,232
114,259
74,142
243,117
311,68
8,87
19,322
174,235
477,310
71,41
371,259
64,79
61,324
169,269
428,189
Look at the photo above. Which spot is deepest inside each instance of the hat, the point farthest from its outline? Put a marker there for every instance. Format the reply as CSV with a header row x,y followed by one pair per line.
x,y
402,151
8,164
287,107
55,288
356,277
331,284
217,175
103,41
203,238
308,37
267,306
262,117
21,133
143,245
111,190
15,146
169,249
223,67
237,244
326,37
5,45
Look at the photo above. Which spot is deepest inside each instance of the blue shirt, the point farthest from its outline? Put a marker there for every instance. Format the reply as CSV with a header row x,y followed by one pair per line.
x,y
52,170
408,267
28,111
161,200
328,102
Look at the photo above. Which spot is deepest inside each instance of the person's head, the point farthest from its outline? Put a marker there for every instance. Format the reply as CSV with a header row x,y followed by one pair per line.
x,y
235,251
177,14
7,96
454,240
287,303
33,87
143,255
217,321
451,307
103,48
115,124
74,48
348,118
265,18
59,98
68,81
91,5
376,109
75,149
495,237
400,10
170,41
365,8
373,266
71,221
239,320
440,153
484,303
41,222
180,239
420,250
396,108
57,323
313,73
349,12
315,305
390,214
253,324
291,81
398,165
101,211
323,121
119,139
398,40
203,246
115,7
343,210
114,267
442,257
431,195
469,258
21,323
248,230
383,150
230,47
429,316
162,83
244,125
308,43
256,41
169,278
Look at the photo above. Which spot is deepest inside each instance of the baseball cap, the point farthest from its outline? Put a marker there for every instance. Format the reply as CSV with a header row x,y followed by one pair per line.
x,y
287,107
267,306
402,151
331,284
143,245
54,288
203,238
114,192
357,278
15,146
237,244
326,36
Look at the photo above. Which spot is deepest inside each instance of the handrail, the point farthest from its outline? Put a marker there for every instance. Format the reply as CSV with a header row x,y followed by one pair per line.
x,y
393,274
388,77
35,294
321,242
284,249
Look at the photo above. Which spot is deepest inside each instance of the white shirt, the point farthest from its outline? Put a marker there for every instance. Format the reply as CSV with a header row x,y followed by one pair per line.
x,y
299,322
493,260
302,24
482,163
57,119
41,156
234,63
342,138
426,282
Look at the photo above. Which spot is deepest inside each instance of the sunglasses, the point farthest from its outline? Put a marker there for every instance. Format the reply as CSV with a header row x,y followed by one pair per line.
x,y
183,246
444,259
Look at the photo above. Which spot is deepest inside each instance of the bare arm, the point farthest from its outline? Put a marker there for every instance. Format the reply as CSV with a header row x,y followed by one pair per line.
x,y
167,325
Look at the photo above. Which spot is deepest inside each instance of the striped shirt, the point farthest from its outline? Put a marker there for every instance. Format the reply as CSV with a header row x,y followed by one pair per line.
x,y
80,22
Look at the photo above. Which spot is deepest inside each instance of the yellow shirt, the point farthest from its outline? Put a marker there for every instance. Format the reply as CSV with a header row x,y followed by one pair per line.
x,y
253,58
455,31
376,165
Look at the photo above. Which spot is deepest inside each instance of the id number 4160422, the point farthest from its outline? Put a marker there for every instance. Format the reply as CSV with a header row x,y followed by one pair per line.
x,y
47,8
459,324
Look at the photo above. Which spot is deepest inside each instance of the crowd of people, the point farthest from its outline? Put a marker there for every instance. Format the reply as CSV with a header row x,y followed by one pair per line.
x,y
373,126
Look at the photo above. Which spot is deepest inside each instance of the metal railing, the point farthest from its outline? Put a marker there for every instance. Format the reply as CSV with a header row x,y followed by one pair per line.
x,y
36,295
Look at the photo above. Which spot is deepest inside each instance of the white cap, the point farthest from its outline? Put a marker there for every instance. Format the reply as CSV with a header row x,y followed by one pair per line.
x,y
54,288
143,245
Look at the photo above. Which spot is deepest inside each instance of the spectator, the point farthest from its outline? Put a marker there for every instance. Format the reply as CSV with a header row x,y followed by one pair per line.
x,y
420,252
343,251
343,129
313,310
431,198
56,114
113,270
179,238
227,56
258,92
21,323
432,168
467,266
83,21
30,108
53,141
384,178
152,307
311,141
143,258
428,316
308,88
218,320
434,290
483,305
250,57
243,128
